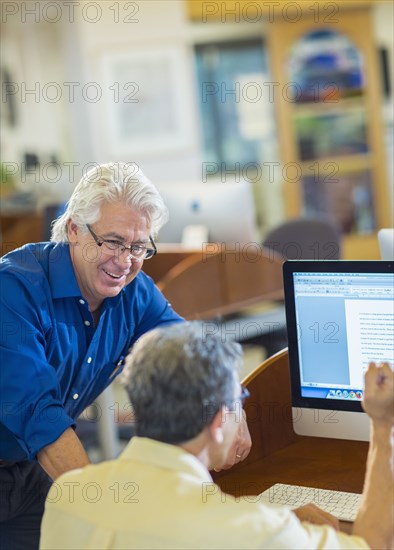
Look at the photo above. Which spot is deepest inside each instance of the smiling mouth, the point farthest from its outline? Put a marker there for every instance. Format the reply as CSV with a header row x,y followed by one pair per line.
x,y
114,276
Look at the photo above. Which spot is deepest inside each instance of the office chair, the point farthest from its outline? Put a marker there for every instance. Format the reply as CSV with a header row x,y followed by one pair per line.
x,y
308,238
50,213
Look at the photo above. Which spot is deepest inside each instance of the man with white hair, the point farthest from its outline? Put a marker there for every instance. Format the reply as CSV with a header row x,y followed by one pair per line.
x,y
70,311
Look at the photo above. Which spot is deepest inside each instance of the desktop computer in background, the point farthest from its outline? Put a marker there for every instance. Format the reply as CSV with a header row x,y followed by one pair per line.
x,y
214,211
340,316
386,244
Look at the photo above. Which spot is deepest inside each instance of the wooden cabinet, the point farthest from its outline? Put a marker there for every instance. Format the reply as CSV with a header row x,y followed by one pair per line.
x,y
328,109
331,141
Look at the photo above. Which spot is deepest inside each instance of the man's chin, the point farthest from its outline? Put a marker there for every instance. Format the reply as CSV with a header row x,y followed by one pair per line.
x,y
110,292
109,288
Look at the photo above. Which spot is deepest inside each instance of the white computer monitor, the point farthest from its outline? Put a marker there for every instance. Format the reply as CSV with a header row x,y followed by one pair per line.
x,y
339,316
386,243
218,211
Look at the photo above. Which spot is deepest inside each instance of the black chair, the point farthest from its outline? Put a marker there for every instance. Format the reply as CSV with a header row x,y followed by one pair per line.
x,y
49,214
306,238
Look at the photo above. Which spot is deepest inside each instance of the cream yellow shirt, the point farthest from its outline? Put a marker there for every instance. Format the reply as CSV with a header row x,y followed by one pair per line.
x,y
159,496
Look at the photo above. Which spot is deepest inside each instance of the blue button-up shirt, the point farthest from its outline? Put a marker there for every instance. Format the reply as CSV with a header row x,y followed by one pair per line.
x,y
54,361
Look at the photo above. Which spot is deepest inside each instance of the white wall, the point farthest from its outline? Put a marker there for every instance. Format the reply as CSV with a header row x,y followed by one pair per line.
x,y
33,60
157,25
65,46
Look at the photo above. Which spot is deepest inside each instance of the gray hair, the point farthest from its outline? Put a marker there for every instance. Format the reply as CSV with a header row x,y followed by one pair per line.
x,y
112,182
177,378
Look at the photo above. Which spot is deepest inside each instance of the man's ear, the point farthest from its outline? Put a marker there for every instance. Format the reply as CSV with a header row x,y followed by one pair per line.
x,y
216,427
72,231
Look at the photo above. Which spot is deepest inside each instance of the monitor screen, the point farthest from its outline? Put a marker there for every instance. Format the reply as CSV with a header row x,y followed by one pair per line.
x,y
340,316
225,209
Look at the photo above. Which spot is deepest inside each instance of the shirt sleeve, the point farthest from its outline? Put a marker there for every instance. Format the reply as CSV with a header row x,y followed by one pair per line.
x,y
324,537
287,531
31,414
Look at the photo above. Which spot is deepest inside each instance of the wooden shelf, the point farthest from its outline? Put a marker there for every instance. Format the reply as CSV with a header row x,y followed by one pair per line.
x,y
356,26
345,164
344,104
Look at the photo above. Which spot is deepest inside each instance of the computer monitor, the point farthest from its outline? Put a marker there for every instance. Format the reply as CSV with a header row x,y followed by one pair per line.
x,y
386,244
340,316
224,209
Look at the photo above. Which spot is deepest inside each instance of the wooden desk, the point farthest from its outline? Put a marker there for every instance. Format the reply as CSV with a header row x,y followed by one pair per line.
x,y
311,461
168,256
217,281
18,229
278,454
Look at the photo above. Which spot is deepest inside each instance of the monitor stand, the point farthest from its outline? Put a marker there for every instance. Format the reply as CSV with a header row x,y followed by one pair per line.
x,y
332,424
195,235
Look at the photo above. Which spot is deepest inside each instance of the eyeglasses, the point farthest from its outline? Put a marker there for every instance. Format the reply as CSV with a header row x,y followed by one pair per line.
x,y
237,404
116,248
245,393
241,399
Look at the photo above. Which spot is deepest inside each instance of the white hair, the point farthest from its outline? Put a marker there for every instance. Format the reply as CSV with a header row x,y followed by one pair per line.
x,y
115,182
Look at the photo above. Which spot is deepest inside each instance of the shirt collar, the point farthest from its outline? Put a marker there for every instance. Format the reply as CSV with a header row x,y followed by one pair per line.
x,y
163,455
61,272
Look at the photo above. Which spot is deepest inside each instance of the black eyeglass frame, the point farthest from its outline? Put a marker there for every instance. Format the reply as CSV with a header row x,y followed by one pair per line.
x,y
230,404
245,393
210,410
149,252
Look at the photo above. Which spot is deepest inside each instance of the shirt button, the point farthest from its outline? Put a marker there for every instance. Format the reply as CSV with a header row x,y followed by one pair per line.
x,y
75,396
87,323
81,301
89,359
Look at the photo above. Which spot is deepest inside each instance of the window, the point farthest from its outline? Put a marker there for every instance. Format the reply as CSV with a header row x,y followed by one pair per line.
x,y
236,114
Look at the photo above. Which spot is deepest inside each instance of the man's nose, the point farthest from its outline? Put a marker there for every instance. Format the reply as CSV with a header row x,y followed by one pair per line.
x,y
124,257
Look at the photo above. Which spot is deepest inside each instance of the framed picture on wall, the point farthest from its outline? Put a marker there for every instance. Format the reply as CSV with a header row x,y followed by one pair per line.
x,y
148,100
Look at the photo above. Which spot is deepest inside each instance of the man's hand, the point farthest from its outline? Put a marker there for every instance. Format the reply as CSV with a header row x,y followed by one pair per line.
x,y
241,446
313,514
375,518
379,393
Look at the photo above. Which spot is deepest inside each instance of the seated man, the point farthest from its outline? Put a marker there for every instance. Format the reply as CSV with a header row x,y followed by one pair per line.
x,y
158,494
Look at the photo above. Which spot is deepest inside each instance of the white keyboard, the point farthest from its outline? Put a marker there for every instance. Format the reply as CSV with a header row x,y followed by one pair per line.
x,y
340,504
